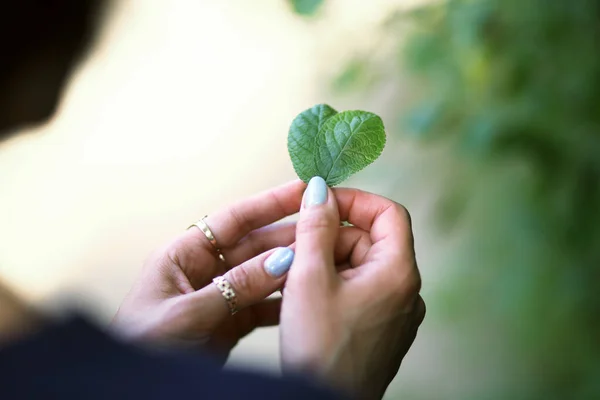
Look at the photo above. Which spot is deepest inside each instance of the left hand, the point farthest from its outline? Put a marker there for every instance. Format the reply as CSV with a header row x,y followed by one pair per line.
x,y
174,301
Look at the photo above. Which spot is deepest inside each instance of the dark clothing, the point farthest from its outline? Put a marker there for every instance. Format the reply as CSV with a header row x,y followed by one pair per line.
x,y
75,360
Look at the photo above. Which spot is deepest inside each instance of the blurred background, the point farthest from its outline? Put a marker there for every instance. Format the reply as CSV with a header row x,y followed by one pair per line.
x,y
492,109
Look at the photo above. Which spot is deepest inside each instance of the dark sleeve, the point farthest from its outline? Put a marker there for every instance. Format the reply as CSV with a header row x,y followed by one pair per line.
x,y
75,360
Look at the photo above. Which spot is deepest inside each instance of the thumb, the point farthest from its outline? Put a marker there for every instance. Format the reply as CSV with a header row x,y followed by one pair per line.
x,y
316,234
249,283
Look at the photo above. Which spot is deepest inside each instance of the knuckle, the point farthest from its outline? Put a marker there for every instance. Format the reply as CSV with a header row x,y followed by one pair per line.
x,y
278,203
168,258
413,283
421,310
407,283
239,219
403,214
301,278
172,256
241,279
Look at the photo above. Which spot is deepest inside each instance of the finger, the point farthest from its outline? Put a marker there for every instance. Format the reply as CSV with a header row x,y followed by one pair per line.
x,y
184,252
362,209
388,222
263,314
251,281
372,213
185,255
347,272
258,241
352,246
236,221
316,235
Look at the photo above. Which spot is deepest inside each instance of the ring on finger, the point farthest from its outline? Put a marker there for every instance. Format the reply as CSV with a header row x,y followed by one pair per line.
x,y
205,229
228,293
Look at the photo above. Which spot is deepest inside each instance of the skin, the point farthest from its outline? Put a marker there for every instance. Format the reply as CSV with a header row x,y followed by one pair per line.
x,y
350,309
355,326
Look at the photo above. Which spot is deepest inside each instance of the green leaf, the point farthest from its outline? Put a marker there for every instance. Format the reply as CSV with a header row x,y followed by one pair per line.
x,y
347,143
302,138
332,145
306,7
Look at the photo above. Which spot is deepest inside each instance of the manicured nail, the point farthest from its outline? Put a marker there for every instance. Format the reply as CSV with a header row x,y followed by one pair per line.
x,y
279,262
316,192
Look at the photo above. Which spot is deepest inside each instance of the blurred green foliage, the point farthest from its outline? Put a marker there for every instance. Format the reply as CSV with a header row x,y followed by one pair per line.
x,y
306,7
511,90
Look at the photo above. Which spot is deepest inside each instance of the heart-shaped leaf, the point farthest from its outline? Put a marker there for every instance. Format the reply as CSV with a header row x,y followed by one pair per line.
x,y
332,145
302,137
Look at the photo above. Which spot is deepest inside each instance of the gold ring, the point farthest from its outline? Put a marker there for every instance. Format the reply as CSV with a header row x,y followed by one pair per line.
x,y
228,293
206,230
201,224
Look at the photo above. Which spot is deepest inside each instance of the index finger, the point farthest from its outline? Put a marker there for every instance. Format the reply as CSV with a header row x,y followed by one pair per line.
x,y
232,223
385,219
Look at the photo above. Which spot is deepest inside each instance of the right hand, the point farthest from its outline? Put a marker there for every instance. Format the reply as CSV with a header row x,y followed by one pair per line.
x,y
351,305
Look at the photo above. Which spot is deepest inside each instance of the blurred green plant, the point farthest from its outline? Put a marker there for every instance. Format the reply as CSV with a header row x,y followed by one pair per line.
x,y
513,87
511,90
306,7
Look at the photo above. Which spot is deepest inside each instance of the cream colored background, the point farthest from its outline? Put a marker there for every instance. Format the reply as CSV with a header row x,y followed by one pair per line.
x,y
181,107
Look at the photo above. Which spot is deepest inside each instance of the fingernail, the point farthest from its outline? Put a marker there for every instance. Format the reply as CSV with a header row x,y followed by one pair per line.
x,y
279,262
316,192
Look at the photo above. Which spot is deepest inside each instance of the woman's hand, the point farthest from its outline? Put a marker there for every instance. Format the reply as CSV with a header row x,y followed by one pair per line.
x,y
351,304
174,301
